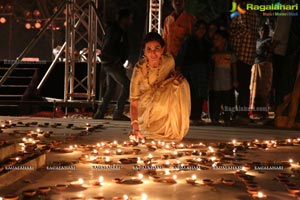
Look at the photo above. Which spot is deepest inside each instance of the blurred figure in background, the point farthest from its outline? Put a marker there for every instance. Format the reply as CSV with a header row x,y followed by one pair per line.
x,y
176,26
261,77
115,51
193,61
223,80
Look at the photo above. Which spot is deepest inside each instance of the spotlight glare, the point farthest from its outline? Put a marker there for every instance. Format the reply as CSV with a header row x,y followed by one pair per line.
x,y
28,26
2,20
37,25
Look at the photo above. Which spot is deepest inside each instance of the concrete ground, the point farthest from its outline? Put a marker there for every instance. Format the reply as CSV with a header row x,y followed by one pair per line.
x,y
267,180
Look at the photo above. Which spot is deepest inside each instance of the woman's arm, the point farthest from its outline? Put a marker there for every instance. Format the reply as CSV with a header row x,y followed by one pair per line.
x,y
134,115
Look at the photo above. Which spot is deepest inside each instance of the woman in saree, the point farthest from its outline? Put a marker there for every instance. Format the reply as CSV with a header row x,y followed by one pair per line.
x,y
159,97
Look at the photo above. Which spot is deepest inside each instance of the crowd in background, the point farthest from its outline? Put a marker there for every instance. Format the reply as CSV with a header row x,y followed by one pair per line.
x,y
233,64
236,67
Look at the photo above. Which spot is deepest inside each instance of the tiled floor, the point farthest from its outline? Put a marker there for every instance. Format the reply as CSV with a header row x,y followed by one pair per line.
x,y
118,130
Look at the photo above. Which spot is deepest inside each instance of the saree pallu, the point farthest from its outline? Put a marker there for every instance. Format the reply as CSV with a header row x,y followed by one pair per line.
x,y
164,111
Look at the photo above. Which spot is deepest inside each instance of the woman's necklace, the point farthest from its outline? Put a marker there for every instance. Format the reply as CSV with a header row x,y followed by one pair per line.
x,y
148,75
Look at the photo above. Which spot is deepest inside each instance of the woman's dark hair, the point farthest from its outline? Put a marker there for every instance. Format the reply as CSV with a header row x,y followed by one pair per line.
x,y
198,23
153,36
223,33
265,28
123,13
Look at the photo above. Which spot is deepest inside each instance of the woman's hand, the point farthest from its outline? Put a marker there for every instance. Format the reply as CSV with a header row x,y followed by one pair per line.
x,y
136,136
178,77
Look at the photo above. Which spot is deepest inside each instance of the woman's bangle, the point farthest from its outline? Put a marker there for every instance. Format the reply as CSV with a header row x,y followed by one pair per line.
x,y
134,122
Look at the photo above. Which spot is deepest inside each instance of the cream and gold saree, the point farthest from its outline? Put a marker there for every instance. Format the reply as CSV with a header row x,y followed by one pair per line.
x,y
163,104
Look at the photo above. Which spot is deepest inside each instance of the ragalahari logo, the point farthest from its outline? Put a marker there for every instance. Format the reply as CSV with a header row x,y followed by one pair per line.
x,y
236,10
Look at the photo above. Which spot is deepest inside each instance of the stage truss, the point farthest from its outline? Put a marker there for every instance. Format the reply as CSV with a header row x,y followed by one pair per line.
x,y
83,22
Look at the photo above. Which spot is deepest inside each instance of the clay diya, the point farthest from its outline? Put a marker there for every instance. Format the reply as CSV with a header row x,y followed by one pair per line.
x,y
207,182
128,160
118,180
98,182
191,180
293,189
29,193
44,190
228,182
61,187
98,198
11,197
77,183
170,179
155,178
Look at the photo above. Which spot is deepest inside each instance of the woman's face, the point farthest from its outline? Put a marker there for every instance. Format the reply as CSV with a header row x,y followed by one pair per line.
x,y
153,51
201,30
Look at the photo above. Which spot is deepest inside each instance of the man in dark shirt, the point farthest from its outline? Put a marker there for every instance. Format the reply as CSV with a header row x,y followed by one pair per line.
x,y
115,51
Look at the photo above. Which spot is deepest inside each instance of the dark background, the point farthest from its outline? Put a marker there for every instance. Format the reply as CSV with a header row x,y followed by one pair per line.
x,y
14,37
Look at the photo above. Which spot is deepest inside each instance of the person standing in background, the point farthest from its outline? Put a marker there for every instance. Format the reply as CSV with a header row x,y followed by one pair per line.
x,y
115,51
177,25
278,49
223,80
193,60
243,33
261,77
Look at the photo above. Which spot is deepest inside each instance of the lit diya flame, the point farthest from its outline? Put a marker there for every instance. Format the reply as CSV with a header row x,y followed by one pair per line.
x,y
234,142
213,158
192,180
80,181
150,156
71,147
167,172
140,176
167,163
174,177
106,152
260,195
144,196
101,180
107,159
291,161
194,177
125,197
139,160
119,151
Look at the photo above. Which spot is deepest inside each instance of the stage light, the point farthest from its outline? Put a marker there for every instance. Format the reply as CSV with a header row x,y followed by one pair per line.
x,y
8,8
36,13
37,25
55,9
28,26
27,13
2,20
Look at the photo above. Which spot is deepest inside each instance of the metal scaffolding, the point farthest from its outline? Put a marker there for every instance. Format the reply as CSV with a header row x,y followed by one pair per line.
x,y
155,7
87,15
